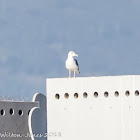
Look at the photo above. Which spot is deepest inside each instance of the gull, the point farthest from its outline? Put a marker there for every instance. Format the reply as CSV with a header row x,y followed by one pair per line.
x,y
72,64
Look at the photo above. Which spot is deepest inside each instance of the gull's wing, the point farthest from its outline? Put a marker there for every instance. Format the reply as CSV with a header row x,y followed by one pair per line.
x,y
76,62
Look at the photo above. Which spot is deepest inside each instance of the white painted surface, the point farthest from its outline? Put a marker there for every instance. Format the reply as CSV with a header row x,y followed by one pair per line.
x,y
101,118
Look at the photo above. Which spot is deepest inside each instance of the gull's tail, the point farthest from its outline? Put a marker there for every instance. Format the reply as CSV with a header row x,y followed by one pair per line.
x,y
78,71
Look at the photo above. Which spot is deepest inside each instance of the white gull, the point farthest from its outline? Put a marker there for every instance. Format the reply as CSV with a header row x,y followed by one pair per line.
x,y
72,64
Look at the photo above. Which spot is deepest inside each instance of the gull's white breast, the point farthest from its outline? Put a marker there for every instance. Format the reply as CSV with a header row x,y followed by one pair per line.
x,y
71,65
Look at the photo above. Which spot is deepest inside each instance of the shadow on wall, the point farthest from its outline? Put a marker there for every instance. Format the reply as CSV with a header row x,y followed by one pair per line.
x,y
23,120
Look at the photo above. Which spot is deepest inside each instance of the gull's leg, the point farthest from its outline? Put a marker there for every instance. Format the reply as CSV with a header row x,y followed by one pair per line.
x,y
74,74
69,74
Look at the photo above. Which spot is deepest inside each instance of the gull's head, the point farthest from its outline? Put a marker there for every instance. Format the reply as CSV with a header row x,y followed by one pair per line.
x,y
72,54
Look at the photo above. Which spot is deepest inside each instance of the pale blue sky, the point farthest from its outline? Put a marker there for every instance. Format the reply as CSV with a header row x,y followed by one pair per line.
x,y
36,35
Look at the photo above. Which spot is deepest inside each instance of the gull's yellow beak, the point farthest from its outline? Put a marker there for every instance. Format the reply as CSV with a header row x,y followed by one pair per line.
x,y
76,55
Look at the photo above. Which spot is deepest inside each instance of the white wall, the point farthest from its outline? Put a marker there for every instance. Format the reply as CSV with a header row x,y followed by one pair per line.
x,y
100,118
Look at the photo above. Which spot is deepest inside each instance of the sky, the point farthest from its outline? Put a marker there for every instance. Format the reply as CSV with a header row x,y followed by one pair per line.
x,y
36,35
